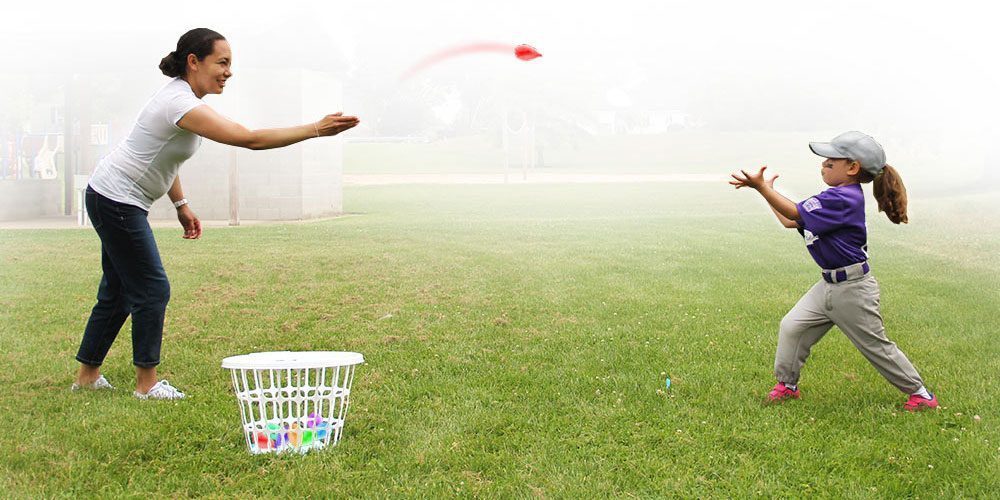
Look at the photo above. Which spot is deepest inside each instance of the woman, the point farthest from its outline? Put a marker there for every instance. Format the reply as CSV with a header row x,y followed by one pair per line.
x,y
140,170
833,226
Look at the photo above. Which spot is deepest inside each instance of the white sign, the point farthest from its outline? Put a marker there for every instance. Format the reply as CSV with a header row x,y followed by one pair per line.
x,y
99,134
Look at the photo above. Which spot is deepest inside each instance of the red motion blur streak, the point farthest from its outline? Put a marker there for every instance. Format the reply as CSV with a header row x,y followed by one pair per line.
x,y
523,52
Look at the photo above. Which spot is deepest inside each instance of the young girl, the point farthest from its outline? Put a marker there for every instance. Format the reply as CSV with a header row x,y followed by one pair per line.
x,y
833,225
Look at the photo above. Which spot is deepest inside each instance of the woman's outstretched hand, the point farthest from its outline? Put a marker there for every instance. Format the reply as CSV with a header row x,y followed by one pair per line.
x,y
755,181
335,124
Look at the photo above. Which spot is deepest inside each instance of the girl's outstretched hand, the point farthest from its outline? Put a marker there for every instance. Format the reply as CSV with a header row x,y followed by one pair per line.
x,y
755,181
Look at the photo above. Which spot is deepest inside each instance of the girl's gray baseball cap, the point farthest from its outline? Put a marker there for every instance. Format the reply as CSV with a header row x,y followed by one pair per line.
x,y
856,146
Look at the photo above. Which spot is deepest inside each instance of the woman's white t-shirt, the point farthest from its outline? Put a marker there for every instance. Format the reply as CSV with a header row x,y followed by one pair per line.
x,y
142,168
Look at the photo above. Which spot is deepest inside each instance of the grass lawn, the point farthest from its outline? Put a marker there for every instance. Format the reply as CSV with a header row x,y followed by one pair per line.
x,y
517,339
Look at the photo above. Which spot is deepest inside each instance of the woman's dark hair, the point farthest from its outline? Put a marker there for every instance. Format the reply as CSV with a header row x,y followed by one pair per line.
x,y
890,193
199,41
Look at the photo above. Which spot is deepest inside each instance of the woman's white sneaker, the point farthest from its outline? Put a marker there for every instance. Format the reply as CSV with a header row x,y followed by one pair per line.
x,y
100,383
162,390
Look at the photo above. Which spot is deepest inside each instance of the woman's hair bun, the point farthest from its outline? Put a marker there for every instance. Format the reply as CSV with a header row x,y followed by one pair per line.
x,y
170,66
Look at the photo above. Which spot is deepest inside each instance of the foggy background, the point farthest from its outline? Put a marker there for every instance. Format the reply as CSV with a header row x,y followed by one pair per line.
x,y
628,87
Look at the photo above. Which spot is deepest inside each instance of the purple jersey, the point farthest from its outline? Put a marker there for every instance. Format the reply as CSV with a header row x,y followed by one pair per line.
x,y
833,225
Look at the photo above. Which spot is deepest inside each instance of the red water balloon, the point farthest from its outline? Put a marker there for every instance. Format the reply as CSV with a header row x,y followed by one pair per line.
x,y
523,52
526,52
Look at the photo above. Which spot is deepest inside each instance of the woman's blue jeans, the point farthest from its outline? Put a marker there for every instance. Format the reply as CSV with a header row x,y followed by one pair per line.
x,y
134,282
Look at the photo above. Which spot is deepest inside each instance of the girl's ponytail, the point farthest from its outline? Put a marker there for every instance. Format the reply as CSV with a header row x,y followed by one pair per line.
x,y
890,193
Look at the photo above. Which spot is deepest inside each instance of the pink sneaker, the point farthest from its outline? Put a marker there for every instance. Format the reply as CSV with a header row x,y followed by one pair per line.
x,y
917,403
781,393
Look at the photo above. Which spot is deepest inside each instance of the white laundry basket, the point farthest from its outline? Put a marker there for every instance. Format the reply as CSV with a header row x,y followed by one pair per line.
x,y
292,401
